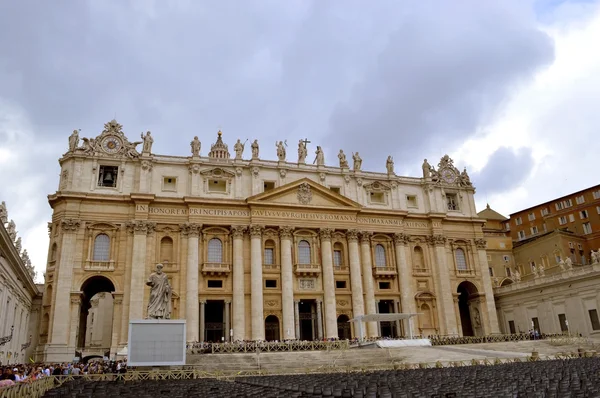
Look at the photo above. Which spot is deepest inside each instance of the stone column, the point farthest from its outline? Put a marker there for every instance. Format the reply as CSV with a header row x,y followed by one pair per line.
x,y
445,301
64,283
365,242
239,295
358,303
202,304
407,292
74,327
192,309
287,283
140,230
227,324
490,304
256,286
319,320
116,326
398,322
378,323
457,311
328,283
297,317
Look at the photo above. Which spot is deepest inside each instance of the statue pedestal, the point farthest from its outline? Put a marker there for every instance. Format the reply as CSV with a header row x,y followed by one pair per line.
x,y
156,342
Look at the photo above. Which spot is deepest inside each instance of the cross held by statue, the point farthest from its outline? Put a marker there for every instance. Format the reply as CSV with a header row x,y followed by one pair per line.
x,y
306,141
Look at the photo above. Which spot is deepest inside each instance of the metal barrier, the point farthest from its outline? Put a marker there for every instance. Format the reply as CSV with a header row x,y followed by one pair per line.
x,y
269,346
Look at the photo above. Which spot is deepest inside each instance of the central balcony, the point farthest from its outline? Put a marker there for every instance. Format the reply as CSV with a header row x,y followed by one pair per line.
x,y
99,265
384,272
465,272
307,269
216,269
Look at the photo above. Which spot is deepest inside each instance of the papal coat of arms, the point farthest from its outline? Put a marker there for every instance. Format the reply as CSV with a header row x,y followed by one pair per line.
x,y
304,193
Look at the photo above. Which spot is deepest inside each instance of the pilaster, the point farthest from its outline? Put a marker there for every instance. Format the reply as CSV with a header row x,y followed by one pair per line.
x,y
445,303
256,286
492,326
365,242
140,230
116,326
192,232
328,283
404,273
287,283
358,303
239,296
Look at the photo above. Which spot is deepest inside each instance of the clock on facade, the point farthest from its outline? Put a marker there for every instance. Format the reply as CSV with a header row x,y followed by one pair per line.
x,y
111,145
448,176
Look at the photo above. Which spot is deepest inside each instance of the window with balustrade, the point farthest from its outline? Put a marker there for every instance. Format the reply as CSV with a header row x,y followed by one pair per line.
x,y
215,250
166,250
338,255
304,254
380,260
461,259
418,259
101,248
269,254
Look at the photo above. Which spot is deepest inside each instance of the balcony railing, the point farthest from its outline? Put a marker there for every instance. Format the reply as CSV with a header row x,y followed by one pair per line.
x,y
271,267
420,271
216,268
384,272
341,269
307,269
465,272
170,267
99,265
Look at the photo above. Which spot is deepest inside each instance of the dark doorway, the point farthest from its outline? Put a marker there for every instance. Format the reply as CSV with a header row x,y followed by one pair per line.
x,y
308,316
466,291
214,325
388,329
272,328
343,327
92,289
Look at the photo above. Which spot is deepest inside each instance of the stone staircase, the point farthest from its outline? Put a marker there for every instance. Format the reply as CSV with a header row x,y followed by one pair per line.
x,y
293,361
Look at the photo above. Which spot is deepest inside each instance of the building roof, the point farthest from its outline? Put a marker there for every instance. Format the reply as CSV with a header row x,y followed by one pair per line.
x,y
490,214
556,199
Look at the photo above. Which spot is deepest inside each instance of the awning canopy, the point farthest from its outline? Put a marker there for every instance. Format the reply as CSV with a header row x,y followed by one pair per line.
x,y
382,317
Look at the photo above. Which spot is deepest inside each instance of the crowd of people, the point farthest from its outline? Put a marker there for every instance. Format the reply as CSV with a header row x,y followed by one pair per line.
x,y
23,373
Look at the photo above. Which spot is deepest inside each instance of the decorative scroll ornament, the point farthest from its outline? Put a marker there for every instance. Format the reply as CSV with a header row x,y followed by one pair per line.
x,y
481,243
437,240
238,231
70,225
401,238
111,142
447,173
140,227
304,193
146,165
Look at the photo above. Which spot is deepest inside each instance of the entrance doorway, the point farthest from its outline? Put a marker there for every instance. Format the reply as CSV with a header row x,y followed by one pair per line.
x,y
388,329
271,328
343,327
214,325
467,292
96,315
307,311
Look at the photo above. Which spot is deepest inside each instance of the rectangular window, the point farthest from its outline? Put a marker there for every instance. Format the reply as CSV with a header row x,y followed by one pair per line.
x,y
511,327
506,258
491,271
217,186
452,202
518,221
544,227
583,214
340,284
562,220
558,205
502,245
572,217
507,226
384,285
545,211
335,189
521,234
107,176
268,186
337,258
411,201
568,203
579,200
596,194
536,324
377,197
534,230
508,271
594,319
169,184
562,319
215,283
587,228
269,256
271,283
531,216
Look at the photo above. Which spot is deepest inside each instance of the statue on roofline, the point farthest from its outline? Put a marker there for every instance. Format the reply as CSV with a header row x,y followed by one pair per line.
x,y
255,148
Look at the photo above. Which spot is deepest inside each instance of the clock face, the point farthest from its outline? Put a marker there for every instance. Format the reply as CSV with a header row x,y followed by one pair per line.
x,y
448,176
111,145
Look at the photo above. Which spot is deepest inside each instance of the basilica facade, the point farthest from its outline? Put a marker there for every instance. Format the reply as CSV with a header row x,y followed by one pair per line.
x,y
257,249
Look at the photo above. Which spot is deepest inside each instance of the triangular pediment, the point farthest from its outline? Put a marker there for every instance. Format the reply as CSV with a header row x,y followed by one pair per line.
x,y
304,192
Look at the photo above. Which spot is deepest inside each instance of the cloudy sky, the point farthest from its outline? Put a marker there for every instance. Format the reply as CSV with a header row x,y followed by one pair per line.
x,y
510,89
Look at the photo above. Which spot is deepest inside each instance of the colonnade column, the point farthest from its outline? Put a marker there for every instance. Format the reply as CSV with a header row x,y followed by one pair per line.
x,y
319,303
407,293
490,304
365,242
256,286
192,231
378,323
140,230
297,317
358,302
239,295
116,327
287,283
328,283
445,302
64,283
227,324
398,322
202,317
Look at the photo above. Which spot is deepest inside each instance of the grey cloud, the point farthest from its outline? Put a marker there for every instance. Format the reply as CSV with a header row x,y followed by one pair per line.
x,y
505,170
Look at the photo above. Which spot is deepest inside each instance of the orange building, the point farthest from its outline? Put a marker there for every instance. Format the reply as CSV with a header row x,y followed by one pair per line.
x,y
577,213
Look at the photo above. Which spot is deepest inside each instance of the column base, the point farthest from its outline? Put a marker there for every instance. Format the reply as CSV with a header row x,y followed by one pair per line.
x,y
58,353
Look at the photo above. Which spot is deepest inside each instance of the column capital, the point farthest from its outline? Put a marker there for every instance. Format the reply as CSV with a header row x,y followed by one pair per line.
x,y
325,233
297,302
76,297
285,232
117,298
352,235
202,302
228,301
191,230
256,230
481,243
319,301
401,238
70,225
365,236
140,227
238,231
437,240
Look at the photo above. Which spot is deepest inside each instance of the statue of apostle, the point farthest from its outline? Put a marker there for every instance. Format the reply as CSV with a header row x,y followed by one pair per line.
x,y
255,148
159,305
302,151
389,165
148,141
3,213
239,149
320,159
196,145
280,150
342,158
74,141
357,161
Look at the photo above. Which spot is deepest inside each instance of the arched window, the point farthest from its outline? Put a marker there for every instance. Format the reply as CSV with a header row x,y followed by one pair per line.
x,y
380,256
418,258
269,252
304,252
101,248
338,255
461,259
53,252
215,251
166,250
